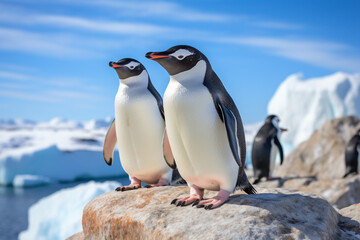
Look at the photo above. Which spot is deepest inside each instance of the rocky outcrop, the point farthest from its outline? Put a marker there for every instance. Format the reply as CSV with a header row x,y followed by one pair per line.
x,y
270,214
340,193
322,155
78,236
350,220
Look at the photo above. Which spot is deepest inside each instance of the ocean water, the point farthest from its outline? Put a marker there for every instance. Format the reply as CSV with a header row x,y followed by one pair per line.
x,y
15,202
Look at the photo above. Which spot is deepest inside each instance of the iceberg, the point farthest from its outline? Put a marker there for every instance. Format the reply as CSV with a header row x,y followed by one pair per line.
x,y
59,215
58,151
303,105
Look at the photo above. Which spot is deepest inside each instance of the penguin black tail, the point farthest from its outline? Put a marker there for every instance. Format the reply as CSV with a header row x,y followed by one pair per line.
x,y
257,181
348,173
245,185
249,189
177,179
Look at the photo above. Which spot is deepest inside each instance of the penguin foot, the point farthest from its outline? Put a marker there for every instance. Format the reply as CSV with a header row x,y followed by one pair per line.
x,y
134,184
161,182
127,188
184,201
214,202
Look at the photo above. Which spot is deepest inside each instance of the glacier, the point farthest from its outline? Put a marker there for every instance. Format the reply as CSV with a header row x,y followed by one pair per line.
x,y
59,215
33,154
303,105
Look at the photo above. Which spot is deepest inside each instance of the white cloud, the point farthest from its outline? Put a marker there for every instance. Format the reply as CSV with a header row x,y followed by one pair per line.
x,y
278,25
320,53
27,96
13,75
66,94
158,10
40,43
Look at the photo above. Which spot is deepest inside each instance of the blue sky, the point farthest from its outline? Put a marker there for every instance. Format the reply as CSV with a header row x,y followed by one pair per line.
x,y
54,54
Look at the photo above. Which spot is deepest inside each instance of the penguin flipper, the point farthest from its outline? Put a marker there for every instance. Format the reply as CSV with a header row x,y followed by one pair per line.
x,y
229,120
109,144
168,155
158,98
278,144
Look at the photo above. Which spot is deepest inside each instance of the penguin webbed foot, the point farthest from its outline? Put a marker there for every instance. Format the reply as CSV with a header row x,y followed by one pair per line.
x,y
161,182
185,201
214,202
127,188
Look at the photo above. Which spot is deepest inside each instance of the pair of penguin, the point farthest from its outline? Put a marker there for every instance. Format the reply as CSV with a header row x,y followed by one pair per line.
x,y
197,128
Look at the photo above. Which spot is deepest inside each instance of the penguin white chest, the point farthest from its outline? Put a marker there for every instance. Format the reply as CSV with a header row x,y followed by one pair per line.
x,y
198,137
139,131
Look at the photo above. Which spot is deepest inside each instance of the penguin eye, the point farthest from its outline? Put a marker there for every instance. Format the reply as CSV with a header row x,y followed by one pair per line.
x,y
131,67
180,57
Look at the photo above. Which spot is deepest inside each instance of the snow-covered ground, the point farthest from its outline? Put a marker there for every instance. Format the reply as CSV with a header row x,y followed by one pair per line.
x,y
59,215
40,153
304,105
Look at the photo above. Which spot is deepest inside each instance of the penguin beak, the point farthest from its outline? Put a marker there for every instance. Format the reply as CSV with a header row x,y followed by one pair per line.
x,y
114,65
156,55
283,129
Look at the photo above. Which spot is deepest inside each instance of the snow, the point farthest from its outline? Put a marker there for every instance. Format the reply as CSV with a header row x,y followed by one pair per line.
x,y
59,215
304,105
60,150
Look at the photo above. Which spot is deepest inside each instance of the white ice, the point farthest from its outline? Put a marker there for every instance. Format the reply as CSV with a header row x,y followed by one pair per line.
x,y
54,151
304,105
59,215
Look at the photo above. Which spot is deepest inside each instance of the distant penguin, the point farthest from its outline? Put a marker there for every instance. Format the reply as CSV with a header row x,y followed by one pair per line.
x,y
352,155
203,126
138,127
264,149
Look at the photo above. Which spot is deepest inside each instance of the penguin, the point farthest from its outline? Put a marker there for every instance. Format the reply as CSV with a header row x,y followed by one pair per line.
x,y
352,155
138,127
264,149
204,128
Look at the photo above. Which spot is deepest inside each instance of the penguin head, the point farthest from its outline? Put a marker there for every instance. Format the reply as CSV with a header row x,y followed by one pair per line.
x,y
177,59
127,67
274,120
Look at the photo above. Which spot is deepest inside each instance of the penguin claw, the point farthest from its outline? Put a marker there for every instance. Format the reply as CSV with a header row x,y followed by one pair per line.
x,y
173,201
200,206
208,207
118,189
147,186
196,203
179,203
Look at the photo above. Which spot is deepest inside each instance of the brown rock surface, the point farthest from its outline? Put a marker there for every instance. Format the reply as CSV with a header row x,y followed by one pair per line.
x,y
338,192
322,155
78,236
147,214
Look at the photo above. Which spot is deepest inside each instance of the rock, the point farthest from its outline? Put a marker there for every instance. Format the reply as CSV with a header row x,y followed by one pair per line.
x,y
78,236
338,192
350,218
322,155
270,214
